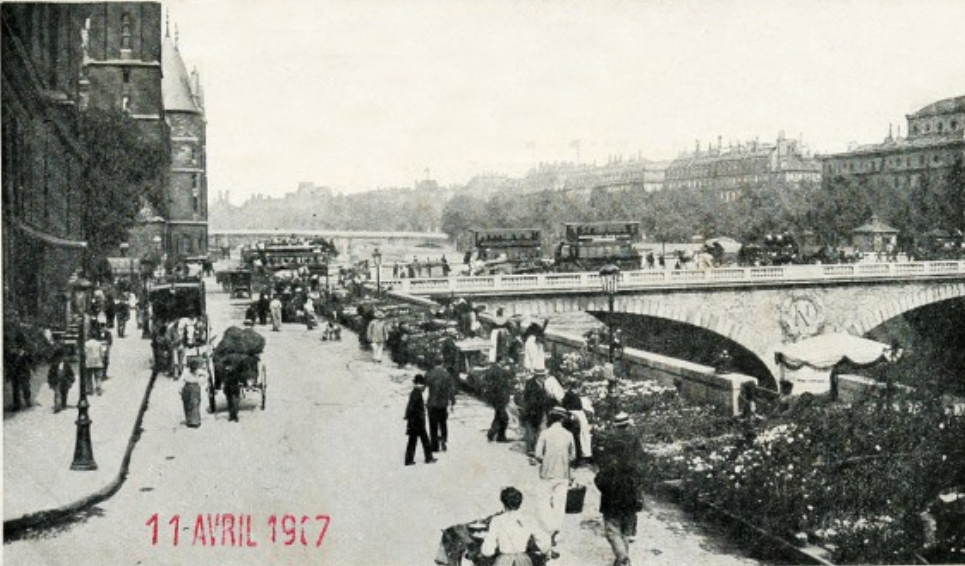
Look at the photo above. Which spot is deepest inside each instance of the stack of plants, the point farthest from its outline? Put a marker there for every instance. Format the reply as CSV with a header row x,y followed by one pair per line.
x,y
854,479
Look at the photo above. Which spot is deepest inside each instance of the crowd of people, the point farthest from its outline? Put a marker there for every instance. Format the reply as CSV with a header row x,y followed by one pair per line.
x,y
27,348
556,422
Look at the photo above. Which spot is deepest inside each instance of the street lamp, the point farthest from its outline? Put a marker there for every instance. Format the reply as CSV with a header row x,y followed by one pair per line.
x,y
377,258
610,279
83,449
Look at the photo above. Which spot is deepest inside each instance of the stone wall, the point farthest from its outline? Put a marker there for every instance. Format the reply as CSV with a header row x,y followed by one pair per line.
x,y
695,382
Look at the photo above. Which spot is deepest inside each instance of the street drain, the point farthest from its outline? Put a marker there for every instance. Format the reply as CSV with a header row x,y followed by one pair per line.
x,y
147,489
169,457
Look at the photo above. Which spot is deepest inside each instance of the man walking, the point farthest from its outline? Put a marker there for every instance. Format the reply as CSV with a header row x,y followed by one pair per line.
x,y
442,395
264,304
17,367
536,403
60,378
415,417
556,452
619,504
94,358
499,378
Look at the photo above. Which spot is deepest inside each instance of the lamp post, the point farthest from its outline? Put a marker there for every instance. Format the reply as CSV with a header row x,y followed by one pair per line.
x,y
377,258
83,449
610,279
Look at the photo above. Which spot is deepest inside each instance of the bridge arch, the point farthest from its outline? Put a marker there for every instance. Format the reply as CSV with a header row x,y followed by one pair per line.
x,y
875,317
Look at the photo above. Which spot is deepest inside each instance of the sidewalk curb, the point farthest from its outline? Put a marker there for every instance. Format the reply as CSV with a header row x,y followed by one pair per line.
x,y
15,528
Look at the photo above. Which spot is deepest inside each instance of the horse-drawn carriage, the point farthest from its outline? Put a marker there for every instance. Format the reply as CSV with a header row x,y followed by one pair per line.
x,y
178,323
239,283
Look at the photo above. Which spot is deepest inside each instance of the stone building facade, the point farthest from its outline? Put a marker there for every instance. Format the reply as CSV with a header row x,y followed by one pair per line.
x,y
618,174
935,142
135,65
42,169
753,165
188,181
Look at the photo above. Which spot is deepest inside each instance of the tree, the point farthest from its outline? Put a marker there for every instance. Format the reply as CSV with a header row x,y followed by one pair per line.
x,y
125,169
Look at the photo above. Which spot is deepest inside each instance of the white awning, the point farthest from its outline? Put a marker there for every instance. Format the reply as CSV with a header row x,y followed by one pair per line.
x,y
827,350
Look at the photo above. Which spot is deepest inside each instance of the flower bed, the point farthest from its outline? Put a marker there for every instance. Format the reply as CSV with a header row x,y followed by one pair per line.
x,y
855,478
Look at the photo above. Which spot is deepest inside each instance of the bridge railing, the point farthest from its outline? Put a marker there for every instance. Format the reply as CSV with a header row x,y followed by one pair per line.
x,y
789,274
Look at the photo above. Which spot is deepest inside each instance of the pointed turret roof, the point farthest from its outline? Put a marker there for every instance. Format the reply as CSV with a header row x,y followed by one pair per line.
x,y
175,83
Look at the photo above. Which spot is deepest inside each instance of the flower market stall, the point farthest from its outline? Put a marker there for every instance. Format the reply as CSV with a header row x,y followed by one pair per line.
x,y
807,365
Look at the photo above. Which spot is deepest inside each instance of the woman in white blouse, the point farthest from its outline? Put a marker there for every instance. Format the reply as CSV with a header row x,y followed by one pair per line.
x,y
510,531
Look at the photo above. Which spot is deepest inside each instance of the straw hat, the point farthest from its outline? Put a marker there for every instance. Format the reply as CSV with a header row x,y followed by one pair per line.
x,y
621,420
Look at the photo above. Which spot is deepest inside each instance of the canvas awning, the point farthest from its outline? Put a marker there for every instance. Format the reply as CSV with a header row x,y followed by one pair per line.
x,y
825,351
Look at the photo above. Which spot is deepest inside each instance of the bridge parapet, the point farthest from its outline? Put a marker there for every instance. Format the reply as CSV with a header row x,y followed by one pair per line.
x,y
681,279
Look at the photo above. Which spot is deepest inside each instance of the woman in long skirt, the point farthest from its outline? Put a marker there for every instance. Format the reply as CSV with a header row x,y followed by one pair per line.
x,y
191,393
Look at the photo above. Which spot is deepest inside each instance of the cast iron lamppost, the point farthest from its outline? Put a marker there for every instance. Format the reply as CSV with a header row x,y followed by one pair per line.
x,y
610,279
377,258
83,450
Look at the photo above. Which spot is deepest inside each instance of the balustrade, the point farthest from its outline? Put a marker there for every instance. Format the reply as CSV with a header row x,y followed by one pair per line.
x,y
789,274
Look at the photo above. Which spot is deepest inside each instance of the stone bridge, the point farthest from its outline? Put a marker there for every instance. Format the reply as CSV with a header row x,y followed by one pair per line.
x,y
760,308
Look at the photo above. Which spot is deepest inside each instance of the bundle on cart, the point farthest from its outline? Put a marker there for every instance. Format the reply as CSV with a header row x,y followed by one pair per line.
x,y
243,341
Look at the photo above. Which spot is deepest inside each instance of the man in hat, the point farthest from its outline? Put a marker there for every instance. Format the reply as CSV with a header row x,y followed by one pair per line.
x,y
536,404
621,446
415,417
556,452
620,500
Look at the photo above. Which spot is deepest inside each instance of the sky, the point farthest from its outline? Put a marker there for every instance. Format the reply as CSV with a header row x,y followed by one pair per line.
x,y
363,94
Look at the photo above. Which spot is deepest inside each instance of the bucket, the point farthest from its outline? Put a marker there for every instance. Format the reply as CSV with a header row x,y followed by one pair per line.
x,y
574,499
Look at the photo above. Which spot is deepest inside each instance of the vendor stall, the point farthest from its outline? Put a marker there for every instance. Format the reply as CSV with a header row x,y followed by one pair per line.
x,y
807,365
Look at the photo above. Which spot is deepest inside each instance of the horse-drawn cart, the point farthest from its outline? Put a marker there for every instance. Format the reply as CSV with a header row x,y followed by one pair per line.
x,y
238,369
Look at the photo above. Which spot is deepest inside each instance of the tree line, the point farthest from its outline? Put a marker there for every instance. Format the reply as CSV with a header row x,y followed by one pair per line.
x,y
831,211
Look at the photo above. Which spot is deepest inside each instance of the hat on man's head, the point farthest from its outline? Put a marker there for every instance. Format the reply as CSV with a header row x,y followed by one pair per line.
x,y
539,371
559,412
249,322
419,379
621,420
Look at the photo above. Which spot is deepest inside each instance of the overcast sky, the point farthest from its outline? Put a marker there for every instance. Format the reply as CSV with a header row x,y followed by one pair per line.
x,y
360,94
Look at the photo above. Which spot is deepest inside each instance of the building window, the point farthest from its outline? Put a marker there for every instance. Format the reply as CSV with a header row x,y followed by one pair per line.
x,y
126,31
126,75
126,103
954,125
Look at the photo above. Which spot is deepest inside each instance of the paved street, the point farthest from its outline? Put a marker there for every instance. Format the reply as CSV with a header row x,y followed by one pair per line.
x,y
329,443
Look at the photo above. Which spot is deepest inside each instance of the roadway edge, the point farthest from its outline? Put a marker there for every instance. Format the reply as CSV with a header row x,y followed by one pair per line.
x,y
15,528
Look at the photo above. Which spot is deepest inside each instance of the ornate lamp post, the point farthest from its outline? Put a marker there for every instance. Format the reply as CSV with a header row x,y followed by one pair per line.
x,y
83,450
610,279
377,258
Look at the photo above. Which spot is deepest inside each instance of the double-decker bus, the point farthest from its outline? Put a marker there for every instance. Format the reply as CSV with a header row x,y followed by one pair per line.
x,y
290,254
508,250
588,246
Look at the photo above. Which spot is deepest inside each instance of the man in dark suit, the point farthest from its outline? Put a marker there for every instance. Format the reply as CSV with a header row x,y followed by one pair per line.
x,y
442,395
500,388
415,417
